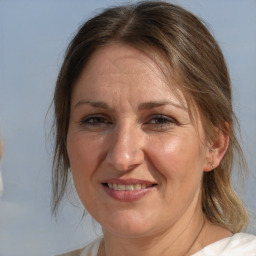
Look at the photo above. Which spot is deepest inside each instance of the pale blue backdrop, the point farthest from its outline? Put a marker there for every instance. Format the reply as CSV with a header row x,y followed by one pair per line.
x,y
33,36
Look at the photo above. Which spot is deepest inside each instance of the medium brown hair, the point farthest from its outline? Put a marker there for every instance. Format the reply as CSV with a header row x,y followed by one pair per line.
x,y
178,40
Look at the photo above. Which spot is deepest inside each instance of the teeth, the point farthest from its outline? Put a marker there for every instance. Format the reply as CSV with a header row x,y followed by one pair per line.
x,y
129,187
137,186
126,187
121,187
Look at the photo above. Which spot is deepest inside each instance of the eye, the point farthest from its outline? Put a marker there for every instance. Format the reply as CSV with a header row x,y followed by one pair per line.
x,y
160,121
95,121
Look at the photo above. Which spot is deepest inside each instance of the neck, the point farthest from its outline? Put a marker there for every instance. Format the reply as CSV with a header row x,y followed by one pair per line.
x,y
179,239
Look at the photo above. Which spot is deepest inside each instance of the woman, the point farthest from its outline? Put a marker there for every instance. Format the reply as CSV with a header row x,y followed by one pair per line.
x,y
144,123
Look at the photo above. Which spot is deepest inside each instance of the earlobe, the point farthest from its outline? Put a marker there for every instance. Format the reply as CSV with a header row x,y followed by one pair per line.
x,y
217,150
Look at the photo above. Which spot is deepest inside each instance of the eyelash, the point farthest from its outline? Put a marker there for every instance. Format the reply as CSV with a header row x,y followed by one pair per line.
x,y
156,122
94,120
161,121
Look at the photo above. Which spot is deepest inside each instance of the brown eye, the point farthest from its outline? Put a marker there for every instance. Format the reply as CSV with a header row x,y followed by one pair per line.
x,y
95,120
161,119
161,122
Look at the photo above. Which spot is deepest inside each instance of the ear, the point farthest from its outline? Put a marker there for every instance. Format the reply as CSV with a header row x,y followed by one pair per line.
x,y
216,149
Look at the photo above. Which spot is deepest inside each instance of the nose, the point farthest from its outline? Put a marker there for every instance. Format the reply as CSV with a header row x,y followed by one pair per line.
x,y
125,152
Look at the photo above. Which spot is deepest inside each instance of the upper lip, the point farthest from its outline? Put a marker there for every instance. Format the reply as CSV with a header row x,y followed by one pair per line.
x,y
119,181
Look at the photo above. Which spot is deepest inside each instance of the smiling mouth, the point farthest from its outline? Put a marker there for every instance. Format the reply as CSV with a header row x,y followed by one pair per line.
x,y
130,187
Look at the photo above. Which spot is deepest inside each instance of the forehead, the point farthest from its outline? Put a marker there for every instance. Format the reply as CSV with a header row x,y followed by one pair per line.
x,y
122,67
115,59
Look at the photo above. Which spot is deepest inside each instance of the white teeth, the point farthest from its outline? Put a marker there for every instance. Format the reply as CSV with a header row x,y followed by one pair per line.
x,y
137,186
121,187
126,187
129,187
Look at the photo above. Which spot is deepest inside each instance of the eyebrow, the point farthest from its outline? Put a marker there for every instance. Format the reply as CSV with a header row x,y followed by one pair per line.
x,y
142,106
95,104
155,104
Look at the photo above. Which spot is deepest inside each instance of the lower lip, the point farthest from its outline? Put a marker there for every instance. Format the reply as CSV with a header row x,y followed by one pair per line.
x,y
127,196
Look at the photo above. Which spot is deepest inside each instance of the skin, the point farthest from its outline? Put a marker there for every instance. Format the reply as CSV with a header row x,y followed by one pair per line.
x,y
126,122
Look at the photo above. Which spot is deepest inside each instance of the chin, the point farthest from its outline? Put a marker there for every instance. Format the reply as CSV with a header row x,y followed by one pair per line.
x,y
127,232
127,226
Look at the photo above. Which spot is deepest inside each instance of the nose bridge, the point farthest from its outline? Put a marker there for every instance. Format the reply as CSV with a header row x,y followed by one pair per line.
x,y
126,147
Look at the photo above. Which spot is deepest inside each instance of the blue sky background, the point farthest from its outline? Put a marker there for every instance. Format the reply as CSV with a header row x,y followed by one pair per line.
x,y
33,38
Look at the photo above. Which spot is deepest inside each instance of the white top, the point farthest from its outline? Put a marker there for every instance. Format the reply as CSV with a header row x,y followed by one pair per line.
x,y
239,244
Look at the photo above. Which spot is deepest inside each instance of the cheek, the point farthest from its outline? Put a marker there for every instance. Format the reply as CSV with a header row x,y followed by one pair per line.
x,y
84,156
177,157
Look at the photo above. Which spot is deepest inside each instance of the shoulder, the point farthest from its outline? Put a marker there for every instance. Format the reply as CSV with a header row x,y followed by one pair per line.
x,y
236,245
89,250
241,244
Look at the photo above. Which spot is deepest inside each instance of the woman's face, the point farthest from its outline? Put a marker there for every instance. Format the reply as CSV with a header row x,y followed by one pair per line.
x,y
136,158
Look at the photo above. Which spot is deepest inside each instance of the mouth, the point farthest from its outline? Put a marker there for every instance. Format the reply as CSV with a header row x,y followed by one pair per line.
x,y
127,187
127,190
